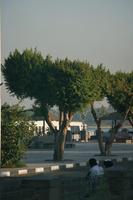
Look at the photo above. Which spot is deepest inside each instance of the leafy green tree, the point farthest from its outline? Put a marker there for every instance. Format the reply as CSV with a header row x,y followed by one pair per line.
x,y
118,89
66,84
16,134
120,96
101,80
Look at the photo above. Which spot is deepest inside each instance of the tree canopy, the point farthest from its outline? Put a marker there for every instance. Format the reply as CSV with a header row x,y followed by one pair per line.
x,y
63,83
67,84
120,93
101,77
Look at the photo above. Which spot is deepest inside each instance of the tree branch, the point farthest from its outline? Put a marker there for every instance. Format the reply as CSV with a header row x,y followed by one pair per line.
x,y
60,119
47,118
97,120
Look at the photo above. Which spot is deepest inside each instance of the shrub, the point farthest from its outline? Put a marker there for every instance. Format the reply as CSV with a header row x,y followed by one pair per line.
x,y
16,131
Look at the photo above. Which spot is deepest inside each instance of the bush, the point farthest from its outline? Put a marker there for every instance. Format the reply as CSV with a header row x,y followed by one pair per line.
x,y
16,131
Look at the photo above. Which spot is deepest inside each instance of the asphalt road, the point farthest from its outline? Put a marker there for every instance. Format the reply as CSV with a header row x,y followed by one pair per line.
x,y
81,153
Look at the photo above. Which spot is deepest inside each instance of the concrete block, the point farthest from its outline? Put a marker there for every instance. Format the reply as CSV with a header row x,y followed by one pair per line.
x,y
55,167
71,165
5,173
39,169
22,171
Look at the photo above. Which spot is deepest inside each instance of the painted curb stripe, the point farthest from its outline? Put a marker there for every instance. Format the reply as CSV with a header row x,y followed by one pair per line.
x,y
3,174
69,165
55,167
39,169
22,171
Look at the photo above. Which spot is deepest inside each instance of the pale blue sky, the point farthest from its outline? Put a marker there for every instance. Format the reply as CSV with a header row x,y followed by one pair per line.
x,y
99,31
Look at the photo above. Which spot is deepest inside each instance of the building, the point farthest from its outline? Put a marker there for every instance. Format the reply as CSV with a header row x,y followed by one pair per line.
x,y
74,129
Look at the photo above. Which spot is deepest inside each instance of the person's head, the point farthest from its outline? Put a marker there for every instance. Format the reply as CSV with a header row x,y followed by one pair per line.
x,y
92,162
108,163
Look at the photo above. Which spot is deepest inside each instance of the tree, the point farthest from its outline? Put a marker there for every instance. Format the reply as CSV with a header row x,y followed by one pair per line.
x,y
101,79
120,96
16,134
118,89
66,84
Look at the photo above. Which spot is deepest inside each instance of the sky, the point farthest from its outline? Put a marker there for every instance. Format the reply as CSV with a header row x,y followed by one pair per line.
x,y
99,31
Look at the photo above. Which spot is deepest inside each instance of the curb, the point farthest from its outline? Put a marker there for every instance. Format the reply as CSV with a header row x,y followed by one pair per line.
x,y
36,170
42,169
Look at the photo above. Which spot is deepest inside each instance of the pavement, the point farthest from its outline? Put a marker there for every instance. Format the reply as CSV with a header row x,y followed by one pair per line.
x,y
40,161
81,153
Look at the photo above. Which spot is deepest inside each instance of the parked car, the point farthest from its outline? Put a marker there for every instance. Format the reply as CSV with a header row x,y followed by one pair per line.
x,y
124,135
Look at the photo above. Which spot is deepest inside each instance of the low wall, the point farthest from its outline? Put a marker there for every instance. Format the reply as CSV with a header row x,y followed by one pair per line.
x,y
120,181
70,184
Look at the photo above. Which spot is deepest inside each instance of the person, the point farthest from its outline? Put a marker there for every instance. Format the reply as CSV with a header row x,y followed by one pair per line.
x,y
94,176
95,169
108,163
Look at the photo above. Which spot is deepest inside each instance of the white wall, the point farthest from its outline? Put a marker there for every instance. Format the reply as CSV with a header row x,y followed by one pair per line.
x,y
56,124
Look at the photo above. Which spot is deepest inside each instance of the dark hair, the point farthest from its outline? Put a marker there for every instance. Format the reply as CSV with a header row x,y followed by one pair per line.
x,y
92,162
108,163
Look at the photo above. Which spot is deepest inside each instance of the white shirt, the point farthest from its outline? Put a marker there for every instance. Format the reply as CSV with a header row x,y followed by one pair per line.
x,y
96,171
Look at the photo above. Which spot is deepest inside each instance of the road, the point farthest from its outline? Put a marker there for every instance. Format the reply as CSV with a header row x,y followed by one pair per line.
x,y
81,153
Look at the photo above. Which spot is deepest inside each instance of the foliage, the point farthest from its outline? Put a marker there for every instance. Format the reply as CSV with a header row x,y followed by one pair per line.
x,y
120,93
17,71
86,115
69,85
16,134
101,78
102,111
76,85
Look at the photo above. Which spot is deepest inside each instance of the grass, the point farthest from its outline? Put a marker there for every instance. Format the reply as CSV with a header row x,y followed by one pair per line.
x,y
18,164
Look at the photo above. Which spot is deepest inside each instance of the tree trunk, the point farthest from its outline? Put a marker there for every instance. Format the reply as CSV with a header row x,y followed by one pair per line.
x,y
60,119
43,128
98,131
61,136
100,140
59,146
109,142
131,122
114,131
